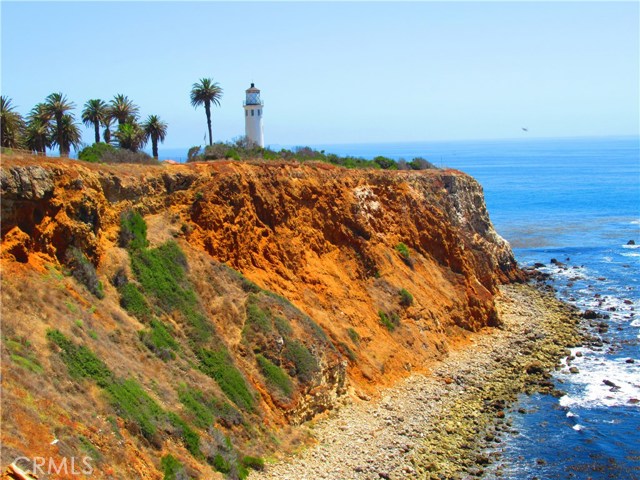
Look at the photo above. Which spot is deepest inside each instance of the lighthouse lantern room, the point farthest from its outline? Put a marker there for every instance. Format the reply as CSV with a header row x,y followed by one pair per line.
x,y
253,116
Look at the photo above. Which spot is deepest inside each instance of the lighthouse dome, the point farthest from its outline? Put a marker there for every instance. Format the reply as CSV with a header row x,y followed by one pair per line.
x,y
253,96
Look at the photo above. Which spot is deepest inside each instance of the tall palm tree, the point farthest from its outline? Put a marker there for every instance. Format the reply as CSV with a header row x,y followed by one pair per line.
x,y
94,113
106,134
68,134
155,129
57,105
130,136
122,109
11,123
39,131
205,92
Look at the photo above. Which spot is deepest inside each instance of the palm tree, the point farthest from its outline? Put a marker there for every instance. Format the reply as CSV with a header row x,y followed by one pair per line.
x,y
57,105
94,113
39,131
106,134
68,134
123,109
155,129
205,93
130,136
11,122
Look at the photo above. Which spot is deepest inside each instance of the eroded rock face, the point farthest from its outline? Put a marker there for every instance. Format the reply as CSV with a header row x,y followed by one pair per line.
x,y
322,236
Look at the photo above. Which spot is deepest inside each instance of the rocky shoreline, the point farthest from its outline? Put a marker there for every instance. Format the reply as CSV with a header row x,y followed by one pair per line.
x,y
442,425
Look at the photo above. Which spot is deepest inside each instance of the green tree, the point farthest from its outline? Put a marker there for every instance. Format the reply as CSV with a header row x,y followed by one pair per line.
x,y
123,110
39,131
106,134
11,123
94,113
130,136
156,130
205,92
68,135
57,105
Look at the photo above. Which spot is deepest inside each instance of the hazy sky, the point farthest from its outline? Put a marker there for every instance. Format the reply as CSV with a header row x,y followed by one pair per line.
x,y
339,72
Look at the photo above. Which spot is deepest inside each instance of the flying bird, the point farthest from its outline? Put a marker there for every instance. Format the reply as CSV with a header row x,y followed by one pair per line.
x,y
525,129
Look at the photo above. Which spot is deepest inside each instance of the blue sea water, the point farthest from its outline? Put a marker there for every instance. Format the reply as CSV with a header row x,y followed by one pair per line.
x,y
578,201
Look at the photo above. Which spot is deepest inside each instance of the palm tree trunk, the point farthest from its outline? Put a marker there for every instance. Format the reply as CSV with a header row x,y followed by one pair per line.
x,y
154,146
96,125
107,135
59,133
207,109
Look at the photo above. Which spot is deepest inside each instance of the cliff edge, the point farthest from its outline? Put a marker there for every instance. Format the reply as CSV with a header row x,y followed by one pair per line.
x,y
310,282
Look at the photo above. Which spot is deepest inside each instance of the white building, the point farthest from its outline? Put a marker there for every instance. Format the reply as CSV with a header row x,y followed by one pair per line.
x,y
253,116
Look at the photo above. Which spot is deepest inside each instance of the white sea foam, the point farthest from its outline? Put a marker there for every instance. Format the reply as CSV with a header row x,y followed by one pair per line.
x,y
630,254
577,427
631,246
570,414
590,389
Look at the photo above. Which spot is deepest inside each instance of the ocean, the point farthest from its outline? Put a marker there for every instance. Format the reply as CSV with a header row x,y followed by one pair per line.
x,y
575,200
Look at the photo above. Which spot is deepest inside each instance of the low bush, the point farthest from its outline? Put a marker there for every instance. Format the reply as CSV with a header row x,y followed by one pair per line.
x,y
172,468
420,163
305,364
258,319
283,326
406,299
197,405
84,271
161,272
132,300
255,463
189,437
133,231
159,340
390,321
274,375
81,362
218,365
354,336
95,152
121,155
403,250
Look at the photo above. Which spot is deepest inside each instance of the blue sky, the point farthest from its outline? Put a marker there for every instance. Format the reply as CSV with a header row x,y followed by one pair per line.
x,y
339,72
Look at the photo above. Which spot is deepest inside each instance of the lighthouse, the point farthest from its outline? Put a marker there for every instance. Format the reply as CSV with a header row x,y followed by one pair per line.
x,y
253,116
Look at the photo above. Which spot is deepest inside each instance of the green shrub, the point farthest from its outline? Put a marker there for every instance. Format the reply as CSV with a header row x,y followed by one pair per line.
x,y
132,300
220,464
95,152
171,467
403,250
420,163
81,362
189,437
385,163
159,340
22,354
132,403
133,231
255,463
232,154
219,366
303,360
406,299
84,271
90,449
354,336
122,155
283,326
390,321
28,363
348,352
257,319
161,272
274,375
195,402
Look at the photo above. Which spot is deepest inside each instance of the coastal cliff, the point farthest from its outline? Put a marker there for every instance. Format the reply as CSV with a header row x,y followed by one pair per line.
x,y
315,284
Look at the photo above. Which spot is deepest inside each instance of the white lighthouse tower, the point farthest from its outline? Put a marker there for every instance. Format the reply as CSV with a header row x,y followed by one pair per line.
x,y
253,116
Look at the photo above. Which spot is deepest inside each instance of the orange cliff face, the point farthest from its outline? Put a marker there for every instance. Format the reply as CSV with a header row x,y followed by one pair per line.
x,y
323,237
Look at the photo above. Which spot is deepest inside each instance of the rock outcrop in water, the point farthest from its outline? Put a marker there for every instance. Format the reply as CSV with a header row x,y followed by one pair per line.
x,y
321,251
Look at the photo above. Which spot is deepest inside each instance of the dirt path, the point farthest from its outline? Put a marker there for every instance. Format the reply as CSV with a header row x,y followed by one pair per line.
x,y
439,426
